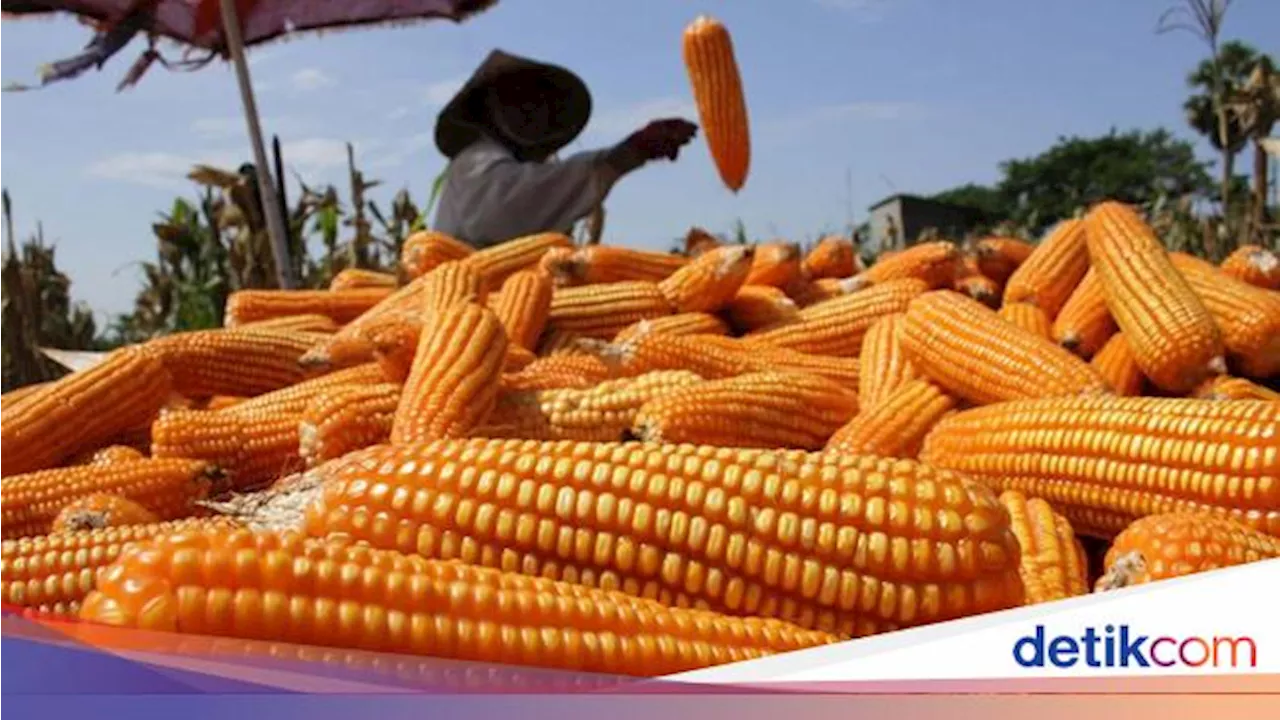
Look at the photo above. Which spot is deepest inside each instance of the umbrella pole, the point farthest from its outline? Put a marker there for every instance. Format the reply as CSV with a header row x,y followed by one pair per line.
x,y
266,186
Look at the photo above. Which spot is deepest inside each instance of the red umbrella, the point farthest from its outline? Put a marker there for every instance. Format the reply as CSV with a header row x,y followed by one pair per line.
x,y
223,28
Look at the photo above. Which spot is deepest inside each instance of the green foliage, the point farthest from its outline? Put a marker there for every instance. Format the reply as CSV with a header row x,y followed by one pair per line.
x,y
1236,61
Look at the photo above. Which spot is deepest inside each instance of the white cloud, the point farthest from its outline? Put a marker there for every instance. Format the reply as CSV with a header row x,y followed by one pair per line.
x,y
402,150
157,169
440,93
308,79
617,123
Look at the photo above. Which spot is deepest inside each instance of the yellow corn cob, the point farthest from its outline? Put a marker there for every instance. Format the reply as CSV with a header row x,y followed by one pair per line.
x,y
1051,272
51,574
980,288
354,278
692,323
82,411
309,322
604,412
1128,457
517,358
609,264
1254,265
776,264
936,263
498,262
523,306
717,89
883,366
240,361
970,352
601,311
833,257
9,398
560,342
342,419
113,454
855,547
710,280
896,425
292,399
764,409
1084,325
246,306
816,291
426,249
456,375
999,257
760,306
1225,387
1158,547
1028,317
1248,317
557,371
101,510
1052,565
1116,365
408,604
1171,333
836,326
167,487
252,448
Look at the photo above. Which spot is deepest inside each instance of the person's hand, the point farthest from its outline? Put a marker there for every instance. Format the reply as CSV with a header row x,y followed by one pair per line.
x,y
661,138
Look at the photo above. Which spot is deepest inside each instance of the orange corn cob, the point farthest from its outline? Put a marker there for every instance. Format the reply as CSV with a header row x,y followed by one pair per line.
x,y
760,306
292,399
832,257
1127,457
603,412
1084,325
1051,272
9,398
560,342
408,604
113,454
517,358
816,291
456,375
840,370
1158,547
1225,387
167,487
836,327
310,322
896,425
999,257
970,352
980,288
936,263
343,419
498,262
523,306
1171,333
710,280
1116,365
753,410
239,361
855,547
101,510
717,89
1028,317
776,264
246,306
562,266
692,323
1248,317
883,366
395,337
1254,265
81,411
601,311
51,574
609,264
252,448
355,278
557,371
1052,565
425,249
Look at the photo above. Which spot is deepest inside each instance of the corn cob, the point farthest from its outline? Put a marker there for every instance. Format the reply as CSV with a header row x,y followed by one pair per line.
x,y
1248,317
759,306
970,352
1053,565
980,288
698,241
936,263
882,364
343,419
167,487
692,323
816,291
1225,387
426,249
896,425
999,257
1051,272
836,327
776,264
9,398
753,410
101,510
523,306
351,344
113,454
717,89
294,398
239,361
1116,365
602,413
856,547
1254,265
51,574
710,280
1128,457
840,370
560,342
408,604
456,376
355,278
498,262
596,264
833,257
1084,324
1158,547
82,411
1028,317
246,306
557,371
517,359
252,448
1171,333
601,311
309,322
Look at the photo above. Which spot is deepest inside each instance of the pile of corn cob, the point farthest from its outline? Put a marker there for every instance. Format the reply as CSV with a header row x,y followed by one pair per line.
x,y
632,462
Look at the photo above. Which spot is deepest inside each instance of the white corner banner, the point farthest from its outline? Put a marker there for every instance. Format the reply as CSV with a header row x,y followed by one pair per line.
x,y
1221,622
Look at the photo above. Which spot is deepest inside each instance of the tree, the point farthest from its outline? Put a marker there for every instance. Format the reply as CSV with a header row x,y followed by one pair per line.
x,y
990,201
1255,107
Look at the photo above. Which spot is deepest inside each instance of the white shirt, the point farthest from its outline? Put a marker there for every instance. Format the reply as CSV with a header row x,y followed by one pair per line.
x,y
490,196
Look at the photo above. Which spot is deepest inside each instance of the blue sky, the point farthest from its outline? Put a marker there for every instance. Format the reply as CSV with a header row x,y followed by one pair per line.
x,y
896,95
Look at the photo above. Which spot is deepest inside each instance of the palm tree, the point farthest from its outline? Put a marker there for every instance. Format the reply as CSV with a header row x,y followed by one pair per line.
x,y
1256,108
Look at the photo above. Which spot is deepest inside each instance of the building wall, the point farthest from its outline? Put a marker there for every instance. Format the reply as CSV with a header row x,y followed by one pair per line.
x,y
912,216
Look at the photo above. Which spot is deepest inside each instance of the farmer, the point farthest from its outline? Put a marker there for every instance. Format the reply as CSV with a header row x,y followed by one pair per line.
x,y
499,133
